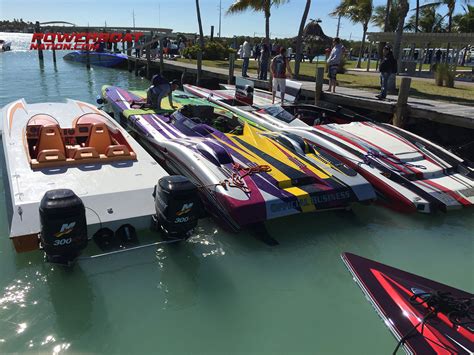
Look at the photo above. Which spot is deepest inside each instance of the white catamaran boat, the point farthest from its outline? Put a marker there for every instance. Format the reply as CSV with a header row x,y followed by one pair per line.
x,y
71,171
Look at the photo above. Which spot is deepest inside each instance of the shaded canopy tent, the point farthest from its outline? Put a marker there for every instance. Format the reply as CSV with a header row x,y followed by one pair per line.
x,y
423,41
313,36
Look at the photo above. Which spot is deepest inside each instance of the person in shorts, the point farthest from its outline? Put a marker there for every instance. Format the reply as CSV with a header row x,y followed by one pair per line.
x,y
279,68
333,63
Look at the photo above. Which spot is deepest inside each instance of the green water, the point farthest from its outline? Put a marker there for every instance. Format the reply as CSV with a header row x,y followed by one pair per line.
x,y
218,293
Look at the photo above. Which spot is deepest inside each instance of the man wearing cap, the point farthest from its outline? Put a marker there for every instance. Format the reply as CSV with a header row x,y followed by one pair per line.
x,y
159,89
388,66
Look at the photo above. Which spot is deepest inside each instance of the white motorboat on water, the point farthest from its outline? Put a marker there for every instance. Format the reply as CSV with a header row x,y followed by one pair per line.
x,y
72,172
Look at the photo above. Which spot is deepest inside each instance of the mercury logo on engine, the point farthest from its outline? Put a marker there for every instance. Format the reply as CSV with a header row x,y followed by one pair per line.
x,y
65,229
185,209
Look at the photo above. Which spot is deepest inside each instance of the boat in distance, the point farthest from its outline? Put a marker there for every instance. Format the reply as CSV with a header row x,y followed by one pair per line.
x,y
102,59
245,175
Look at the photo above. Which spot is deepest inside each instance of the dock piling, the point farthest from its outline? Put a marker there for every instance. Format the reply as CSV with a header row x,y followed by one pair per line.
x,y
319,84
230,80
148,61
54,54
370,55
162,64
401,108
38,41
199,67
88,58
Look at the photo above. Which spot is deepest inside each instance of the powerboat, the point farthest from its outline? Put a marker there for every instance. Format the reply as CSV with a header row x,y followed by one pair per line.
x,y
425,316
103,59
5,46
244,175
70,172
408,172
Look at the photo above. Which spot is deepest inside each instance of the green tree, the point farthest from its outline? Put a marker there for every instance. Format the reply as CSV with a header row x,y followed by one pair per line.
x,y
403,8
379,15
357,11
464,22
451,5
299,40
429,21
259,6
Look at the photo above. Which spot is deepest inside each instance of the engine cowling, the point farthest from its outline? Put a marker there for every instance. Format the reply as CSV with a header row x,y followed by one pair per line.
x,y
177,206
63,225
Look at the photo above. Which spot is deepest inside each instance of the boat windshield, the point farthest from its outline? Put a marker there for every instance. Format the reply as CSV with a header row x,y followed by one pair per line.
x,y
208,115
280,113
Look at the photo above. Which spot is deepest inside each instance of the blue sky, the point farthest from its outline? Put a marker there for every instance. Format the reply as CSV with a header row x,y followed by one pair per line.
x,y
180,15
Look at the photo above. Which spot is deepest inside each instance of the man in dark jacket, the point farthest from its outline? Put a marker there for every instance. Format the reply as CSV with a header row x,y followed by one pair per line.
x,y
159,89
388,66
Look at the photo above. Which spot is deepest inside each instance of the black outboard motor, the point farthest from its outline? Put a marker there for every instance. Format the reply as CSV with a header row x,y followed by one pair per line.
x,y
177,206
63,226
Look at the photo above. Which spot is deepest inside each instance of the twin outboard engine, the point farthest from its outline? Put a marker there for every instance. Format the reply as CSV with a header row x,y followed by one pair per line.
x,y
63,226
177,206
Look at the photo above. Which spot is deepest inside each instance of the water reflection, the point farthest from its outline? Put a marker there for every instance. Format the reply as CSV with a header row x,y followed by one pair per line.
x,y
72,298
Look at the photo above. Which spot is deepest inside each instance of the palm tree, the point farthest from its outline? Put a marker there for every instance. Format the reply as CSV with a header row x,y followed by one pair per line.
x,y
388,8
403,7
259,6
379,17
451,4
465,22
201,43
417,15
299,40
357,11
201,35
429,21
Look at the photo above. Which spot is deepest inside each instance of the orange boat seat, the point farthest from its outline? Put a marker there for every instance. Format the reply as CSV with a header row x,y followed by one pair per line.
x,y
99,138
50,138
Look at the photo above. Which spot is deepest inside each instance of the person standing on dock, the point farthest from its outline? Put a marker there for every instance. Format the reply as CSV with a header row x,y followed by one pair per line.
x,y
264,60
388,66
246,51
280,65
333,62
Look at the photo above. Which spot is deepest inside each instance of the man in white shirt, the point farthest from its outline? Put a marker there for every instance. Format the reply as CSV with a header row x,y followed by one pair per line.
x,y
246,52
333,63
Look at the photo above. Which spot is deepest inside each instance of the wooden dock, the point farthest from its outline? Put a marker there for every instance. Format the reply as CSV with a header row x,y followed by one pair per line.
x,y
441,112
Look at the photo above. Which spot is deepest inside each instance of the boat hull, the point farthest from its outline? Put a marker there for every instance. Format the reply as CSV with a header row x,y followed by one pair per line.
x,y
400,299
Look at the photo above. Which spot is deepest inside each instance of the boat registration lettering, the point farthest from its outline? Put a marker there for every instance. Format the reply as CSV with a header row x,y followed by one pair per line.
x,y
314,200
